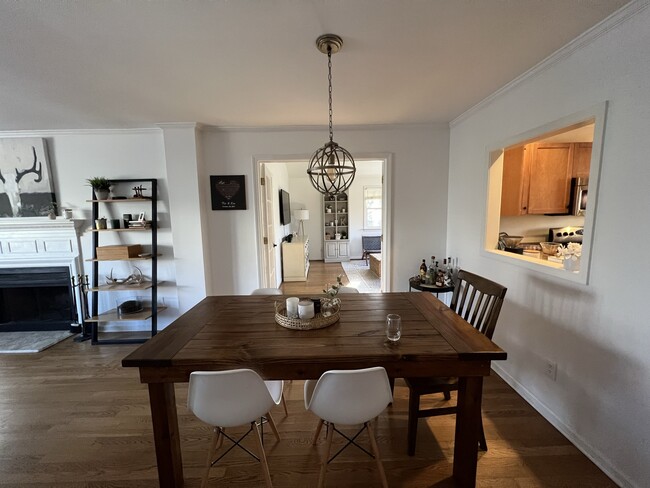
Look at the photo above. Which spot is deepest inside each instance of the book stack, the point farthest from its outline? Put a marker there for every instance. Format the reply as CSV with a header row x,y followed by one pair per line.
x,y
139,224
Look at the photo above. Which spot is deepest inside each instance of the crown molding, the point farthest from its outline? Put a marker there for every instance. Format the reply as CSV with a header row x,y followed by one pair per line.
x,y
180,125
295,128
614,20
77,132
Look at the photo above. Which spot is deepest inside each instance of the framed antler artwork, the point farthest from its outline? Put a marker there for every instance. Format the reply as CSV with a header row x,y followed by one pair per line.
x,y
26,188
228,192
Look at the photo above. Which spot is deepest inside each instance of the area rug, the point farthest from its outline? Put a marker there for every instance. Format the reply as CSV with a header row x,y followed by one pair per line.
x,y
30,342
361,277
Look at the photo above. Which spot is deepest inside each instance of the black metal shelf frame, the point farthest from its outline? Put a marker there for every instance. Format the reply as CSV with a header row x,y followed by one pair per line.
x,y
94,326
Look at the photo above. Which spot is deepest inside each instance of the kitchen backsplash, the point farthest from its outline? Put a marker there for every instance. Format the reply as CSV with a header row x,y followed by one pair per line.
x,y
534,228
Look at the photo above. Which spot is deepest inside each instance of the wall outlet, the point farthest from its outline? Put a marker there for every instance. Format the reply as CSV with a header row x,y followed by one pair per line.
x,y
550,369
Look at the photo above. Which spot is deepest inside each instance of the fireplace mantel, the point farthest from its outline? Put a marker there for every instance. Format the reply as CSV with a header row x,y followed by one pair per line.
x,y
40,241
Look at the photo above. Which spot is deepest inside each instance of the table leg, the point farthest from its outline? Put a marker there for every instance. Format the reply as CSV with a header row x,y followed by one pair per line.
x,y
165,433
468,416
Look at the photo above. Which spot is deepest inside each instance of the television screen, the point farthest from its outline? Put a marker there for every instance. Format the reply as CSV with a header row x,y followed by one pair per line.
x,y
285,208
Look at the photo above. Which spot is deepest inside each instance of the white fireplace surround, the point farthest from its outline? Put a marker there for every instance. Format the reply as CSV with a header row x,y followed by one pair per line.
x,y
40,242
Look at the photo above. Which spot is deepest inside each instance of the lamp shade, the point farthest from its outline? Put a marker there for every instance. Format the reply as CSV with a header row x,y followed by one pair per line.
x,y
301,214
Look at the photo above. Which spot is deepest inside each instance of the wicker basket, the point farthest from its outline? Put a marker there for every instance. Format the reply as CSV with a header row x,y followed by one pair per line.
x,y
318,322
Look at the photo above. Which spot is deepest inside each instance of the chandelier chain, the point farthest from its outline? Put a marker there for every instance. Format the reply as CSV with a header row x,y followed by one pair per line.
x,y
331,168
329,78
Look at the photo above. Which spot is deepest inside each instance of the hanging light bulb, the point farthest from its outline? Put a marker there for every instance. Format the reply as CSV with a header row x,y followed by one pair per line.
x,y
331,168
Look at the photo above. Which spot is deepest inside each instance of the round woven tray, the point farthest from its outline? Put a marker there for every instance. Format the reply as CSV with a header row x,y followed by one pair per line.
x,y
318,322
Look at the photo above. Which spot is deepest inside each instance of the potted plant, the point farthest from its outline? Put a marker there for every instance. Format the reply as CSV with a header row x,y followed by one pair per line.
x,y
101,187
330,304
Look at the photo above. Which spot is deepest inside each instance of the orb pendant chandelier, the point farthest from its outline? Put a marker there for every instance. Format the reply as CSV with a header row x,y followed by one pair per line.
x,y
331,168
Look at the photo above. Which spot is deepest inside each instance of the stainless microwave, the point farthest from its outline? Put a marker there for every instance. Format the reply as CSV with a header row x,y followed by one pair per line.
x,y
579,193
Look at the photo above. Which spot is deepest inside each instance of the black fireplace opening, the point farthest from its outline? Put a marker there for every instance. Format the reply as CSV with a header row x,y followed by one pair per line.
x,y
34,299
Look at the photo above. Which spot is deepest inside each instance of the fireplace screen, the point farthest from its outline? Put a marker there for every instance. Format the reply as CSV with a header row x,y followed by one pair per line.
x,y
35,299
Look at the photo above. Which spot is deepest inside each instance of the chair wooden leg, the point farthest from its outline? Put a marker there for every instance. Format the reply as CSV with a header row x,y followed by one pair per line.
x,y
216,436
481,437
414,407
447,394
317,433
326,455
375,451
272,425
260,447
284,405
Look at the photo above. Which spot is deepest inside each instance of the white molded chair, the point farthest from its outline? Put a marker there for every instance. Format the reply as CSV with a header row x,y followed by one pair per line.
x,y
348,397
229,399
348,289
266,291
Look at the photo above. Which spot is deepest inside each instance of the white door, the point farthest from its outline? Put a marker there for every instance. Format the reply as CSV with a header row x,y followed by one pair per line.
x,y
268,240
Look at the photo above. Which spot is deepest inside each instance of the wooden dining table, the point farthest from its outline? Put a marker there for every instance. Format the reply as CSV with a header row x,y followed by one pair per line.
x,y
228,332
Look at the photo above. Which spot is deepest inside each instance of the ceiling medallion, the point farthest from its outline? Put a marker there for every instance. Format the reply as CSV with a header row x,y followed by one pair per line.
x,y
331,168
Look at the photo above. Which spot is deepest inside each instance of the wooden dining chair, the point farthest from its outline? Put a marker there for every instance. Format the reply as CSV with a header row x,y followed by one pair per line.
x,y
478,301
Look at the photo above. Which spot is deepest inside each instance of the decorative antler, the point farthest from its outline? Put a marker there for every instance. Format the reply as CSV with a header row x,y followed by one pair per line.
x,y
39,171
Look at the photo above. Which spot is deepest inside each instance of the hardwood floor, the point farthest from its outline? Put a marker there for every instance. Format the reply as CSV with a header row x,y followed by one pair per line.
x,y
71,417
320,274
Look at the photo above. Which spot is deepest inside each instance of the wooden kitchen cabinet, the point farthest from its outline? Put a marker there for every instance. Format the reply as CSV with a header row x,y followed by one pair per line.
x,y
549,189
537,177
581,159
514,190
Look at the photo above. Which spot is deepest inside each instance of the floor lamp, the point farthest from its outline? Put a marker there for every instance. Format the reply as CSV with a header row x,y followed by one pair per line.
x,y
302,215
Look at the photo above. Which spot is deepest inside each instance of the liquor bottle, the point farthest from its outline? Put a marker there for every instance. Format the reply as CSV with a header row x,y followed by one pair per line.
x,y
450,271
423,270
432,271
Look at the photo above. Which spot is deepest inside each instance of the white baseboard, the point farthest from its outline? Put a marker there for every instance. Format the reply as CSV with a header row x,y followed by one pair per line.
x,y
587,449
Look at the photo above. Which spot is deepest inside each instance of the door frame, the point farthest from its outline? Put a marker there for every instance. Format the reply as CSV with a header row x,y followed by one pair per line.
x,y
387,210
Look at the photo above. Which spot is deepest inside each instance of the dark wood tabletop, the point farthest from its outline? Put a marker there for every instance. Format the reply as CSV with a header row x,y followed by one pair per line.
x,y
226,332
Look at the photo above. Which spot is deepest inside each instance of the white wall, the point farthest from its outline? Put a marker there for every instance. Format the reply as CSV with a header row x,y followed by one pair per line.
x,y
598,333
419,192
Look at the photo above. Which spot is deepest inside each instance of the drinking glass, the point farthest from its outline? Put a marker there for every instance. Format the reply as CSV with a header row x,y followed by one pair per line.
x,y
393,327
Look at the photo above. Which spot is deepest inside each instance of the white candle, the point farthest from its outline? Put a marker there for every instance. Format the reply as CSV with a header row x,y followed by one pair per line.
x,y
292,307
306,309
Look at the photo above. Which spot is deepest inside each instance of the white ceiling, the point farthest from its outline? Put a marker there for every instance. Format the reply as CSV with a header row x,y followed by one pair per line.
x,y
253,63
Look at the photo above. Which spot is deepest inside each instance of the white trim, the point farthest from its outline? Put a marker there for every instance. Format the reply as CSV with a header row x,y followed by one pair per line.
x,y
620,16
298,128
387,168
577,440
489,236
77,132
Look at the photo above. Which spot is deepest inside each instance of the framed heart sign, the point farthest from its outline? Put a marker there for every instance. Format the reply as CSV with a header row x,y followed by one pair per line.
x,y
228,192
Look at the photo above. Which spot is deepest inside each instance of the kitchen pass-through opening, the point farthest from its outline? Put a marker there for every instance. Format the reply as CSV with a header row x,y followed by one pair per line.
x,y
542,192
